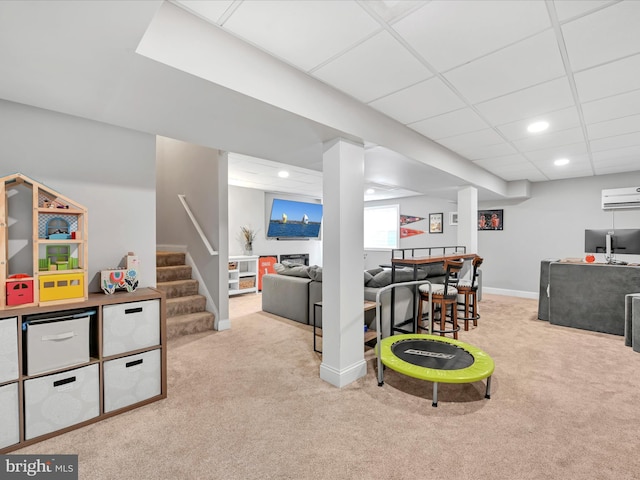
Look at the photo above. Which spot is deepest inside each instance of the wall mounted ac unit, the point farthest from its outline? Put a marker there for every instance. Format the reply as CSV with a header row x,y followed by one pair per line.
x,y
621,198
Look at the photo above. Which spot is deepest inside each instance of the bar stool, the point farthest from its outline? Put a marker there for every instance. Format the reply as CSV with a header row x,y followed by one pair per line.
x,y
468,296
443,295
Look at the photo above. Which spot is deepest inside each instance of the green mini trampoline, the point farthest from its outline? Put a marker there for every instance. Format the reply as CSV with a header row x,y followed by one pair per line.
x,y
435,359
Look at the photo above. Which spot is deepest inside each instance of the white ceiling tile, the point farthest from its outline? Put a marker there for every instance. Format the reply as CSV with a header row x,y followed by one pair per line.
x,y
602,36
449,124
467,141
391,10
425,99
211,11
618,126
373,69
579,166
618,165
620,154
304,34
450,33
578,160
550,140
506,160
529,62
609,79
487,151
558,120
566,9
618,106
619,141
580,171
533,101
565,151
519,171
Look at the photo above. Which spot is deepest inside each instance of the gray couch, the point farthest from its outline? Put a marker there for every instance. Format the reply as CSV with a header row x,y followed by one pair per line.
x,y
293,291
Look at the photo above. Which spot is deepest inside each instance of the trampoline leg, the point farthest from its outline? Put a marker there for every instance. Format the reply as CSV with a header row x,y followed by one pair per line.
x,y
435,395
488,394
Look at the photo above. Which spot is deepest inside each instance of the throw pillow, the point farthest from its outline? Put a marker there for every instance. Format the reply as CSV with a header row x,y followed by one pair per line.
x,y
374,271
278,267
383,278
297,271
315,273
367,277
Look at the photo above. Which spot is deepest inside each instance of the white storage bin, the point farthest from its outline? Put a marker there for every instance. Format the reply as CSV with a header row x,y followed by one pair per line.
x,y
60,400
8,349
131,379
130,326
56,343
9,415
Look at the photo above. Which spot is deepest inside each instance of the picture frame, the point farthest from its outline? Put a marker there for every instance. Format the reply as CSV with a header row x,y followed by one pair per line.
x,y
490,219
453,218
435,222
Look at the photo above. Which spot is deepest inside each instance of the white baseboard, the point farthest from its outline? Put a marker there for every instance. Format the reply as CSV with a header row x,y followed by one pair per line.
x,y
344,377
222,324
510,293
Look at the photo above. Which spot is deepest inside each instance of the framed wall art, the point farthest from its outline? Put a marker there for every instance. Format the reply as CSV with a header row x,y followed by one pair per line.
x,y
435,223
490,219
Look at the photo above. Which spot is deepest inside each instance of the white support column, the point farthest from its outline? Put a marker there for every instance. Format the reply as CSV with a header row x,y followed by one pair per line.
x,y
342,252
222,321
468,218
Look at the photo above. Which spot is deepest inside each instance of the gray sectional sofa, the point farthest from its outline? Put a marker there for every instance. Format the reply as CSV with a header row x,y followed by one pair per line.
x,y
293,291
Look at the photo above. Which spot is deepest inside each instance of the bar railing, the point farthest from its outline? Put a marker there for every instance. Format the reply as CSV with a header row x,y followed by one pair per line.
x,y
426,251
206,242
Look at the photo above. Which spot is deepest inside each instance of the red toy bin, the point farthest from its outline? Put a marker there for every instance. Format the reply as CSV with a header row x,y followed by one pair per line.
x,y
19,292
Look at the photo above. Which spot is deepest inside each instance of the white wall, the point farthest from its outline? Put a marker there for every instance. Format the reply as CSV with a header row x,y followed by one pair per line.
x,y
193,171
420,206
109,170
550,224
252,208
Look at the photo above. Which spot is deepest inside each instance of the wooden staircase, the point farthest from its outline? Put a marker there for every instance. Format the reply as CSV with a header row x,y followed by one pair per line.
x,y
186,312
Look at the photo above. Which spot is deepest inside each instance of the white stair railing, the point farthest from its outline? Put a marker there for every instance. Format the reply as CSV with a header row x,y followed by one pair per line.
x,y
197,225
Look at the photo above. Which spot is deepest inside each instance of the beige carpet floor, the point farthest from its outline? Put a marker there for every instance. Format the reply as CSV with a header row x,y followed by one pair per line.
x,y
248,403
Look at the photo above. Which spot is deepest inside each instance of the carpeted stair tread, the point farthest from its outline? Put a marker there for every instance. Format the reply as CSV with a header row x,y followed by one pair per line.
x,y
183,305
186,309
189,323
167,259
174,272
178,288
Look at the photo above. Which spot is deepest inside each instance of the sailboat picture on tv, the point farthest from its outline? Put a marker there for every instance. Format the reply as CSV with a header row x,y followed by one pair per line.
x,y
293,219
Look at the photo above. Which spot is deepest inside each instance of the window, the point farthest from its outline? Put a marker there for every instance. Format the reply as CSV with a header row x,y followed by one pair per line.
x,y
381,227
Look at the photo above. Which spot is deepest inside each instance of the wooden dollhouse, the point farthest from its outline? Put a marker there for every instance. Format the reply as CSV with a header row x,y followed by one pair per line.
x,y
59,239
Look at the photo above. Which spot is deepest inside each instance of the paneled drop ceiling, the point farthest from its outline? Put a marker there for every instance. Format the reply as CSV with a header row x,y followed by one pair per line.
x,y
471,75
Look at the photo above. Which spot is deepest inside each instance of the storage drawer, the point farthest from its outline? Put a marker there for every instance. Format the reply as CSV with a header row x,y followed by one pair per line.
x,y
8,349
60,400
131,379
130,326
9,415
56,343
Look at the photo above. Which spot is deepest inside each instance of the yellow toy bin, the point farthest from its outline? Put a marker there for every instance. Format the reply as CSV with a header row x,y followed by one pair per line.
x,y
61,287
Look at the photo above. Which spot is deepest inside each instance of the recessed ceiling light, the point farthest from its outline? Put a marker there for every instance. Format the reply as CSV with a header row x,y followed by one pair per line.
x,y
536,127
370,191
283,174
561,161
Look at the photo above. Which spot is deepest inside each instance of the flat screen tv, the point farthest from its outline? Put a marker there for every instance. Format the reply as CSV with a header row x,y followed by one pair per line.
x,y
291,219
621,241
